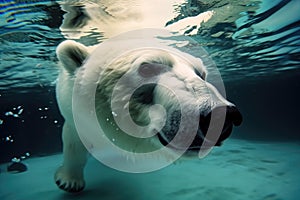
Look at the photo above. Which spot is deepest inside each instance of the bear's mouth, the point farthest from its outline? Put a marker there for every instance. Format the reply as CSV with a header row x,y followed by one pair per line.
x,y
198,141
196,144
202,140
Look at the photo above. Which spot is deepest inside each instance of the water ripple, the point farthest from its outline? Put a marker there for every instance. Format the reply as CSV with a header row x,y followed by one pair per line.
x,y
245,38
28,38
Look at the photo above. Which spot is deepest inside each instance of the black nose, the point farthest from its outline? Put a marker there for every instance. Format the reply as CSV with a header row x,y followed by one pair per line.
x,y
220,117
234,115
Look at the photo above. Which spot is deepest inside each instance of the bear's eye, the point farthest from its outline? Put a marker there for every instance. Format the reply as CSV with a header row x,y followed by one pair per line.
x,y
201,75
148,70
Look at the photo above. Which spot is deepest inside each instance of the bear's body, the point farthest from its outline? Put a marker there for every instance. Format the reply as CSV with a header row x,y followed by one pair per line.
x,y
179,83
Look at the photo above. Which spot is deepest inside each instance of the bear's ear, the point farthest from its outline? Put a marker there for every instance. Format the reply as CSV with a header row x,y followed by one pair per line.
x,y
71,54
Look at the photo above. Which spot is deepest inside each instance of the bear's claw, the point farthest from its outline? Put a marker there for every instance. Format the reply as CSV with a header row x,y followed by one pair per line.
x,y
64,181
70,187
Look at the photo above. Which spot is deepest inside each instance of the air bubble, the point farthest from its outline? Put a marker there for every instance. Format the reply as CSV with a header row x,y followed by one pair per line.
x,y
20,111
9,139
9,113
15,159
114,114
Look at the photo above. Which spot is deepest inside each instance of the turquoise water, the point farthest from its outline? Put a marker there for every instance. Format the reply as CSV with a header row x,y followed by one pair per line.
x,y
255,45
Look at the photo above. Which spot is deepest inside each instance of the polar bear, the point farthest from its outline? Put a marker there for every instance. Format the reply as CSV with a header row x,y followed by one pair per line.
x,y
175,83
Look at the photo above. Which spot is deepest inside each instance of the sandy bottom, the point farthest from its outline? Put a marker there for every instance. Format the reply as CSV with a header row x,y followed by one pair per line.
x,y
238,170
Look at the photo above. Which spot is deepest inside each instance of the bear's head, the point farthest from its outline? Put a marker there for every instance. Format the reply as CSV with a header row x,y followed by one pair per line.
x,y
167,98
150,97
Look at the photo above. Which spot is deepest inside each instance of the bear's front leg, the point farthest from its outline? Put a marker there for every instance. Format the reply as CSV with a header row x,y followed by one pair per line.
x,y
69,176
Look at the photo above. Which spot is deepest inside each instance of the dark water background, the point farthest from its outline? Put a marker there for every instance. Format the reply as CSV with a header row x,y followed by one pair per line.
x,y
256,48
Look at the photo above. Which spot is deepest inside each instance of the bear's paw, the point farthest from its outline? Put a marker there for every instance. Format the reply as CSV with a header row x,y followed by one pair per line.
x,y
69,181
